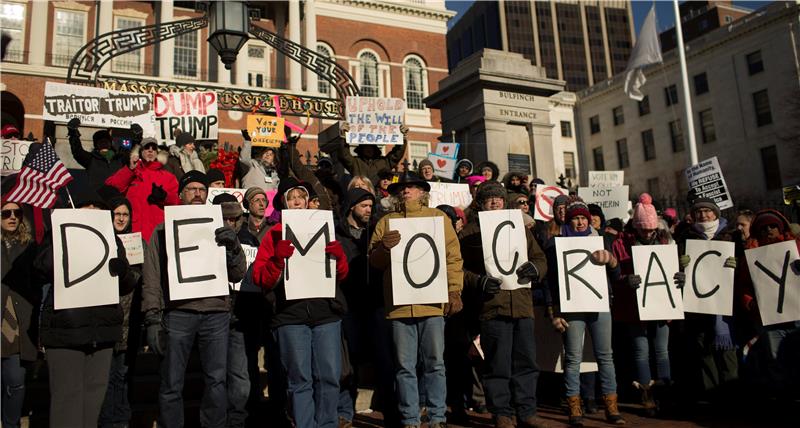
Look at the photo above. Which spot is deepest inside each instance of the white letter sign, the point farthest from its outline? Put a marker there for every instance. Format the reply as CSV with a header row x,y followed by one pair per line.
x,y
777,285
582,285
310,272
419,264
504,245
657,296
134,247
606,178
709,284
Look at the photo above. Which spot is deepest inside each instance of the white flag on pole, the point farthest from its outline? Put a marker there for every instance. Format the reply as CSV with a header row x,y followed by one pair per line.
x,y
646,51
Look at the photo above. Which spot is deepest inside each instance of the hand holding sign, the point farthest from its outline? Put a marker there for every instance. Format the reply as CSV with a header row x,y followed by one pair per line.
x,y
659,298
226,237
390,239
419,274
284,249
308,272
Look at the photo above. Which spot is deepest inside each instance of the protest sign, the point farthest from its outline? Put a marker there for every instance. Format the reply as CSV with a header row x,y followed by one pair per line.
x,y
442,166
706,180
246,284
98,107
504,245
134,247
419,264
453,194
213,192
709,284
83,244
582,285
658,298
606,178
613,200
265,131
13,153
550,349
544,201
449,150
192,112
777,284
374,120
310,272
196,264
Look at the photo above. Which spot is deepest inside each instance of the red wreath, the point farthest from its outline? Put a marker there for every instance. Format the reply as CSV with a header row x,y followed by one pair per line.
x,y
226,162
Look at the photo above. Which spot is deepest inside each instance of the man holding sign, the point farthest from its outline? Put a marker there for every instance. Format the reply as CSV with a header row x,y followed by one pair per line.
x,y
368,160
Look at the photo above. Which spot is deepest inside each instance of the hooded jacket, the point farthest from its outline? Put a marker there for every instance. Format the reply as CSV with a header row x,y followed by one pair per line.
x,y
358,165
457,178
490,164
98,167
23,289
363,286
131,302
254,172
511,188
180,162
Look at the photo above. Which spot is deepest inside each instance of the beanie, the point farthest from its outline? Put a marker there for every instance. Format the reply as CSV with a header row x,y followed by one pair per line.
x,y
252,193
424,162
769,217
705,203
644,213
191,177
184,139
596,211
576,208
101,135
215,174
472,179
490,189
560,200
230,205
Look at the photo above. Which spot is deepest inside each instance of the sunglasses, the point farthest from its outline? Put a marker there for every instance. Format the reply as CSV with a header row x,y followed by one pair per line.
x,y
6,214
522,202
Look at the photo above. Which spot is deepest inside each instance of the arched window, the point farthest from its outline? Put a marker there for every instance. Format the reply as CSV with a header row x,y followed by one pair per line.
x,y
415,84
322,85
369,74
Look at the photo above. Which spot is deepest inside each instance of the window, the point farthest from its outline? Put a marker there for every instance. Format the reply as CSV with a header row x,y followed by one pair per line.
x,y
707,126
671,95
257,65
652,187
761,105
12,21
700,84
566,129
594,124
417,151
622,153
569,164
772,170
599,163
676,135
728,19
649,145
69,36
644,106
186,55
131,62
322,85
415,84
619,116
369,75
754,63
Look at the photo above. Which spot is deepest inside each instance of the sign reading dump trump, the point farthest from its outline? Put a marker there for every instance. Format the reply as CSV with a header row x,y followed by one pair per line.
x,y
192,112
582,285
310,272
419,263
777,285
83,244
374,120
657,297
709,284
196,264
504,245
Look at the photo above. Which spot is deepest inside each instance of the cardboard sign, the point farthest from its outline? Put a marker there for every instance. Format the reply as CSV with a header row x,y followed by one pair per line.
x,y
707,181
550,346
134,247
98,107
582,285
709,284
453,194
443,166
13,154
448,150
504,246
192,112
310,272
658,298
544,201
606,178
419,263
374,120
613,200
196,265
777,285
246,284
83,244
265,131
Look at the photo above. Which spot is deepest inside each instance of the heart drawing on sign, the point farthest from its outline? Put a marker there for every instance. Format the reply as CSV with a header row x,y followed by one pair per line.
x,y
441,163
445,148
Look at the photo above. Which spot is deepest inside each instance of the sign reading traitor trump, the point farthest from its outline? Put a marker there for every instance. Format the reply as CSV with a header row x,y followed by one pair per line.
x,y
419,264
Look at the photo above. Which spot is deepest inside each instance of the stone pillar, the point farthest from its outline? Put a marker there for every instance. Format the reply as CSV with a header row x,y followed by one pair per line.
x,y
167,48
501,5
311,42
554,17
38,42
590,72
106,17
542,151
604,27
240,66
295,70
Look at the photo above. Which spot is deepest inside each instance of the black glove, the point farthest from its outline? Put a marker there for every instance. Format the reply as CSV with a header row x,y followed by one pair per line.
x,y
72,127
225,236
118,266
246,135
157,195
680,279
490,285
633,281
527,272
796,267
137,132
155,333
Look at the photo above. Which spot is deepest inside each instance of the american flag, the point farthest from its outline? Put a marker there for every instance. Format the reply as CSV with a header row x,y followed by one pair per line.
x,y
41,176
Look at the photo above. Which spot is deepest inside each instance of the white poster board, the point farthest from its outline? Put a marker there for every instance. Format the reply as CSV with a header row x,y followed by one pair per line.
x,y
246,284
443,166
777,285
13,154
449,150
374,120
709,284
657,297
505,247
83,244
213,192
707,181
613,200
134,247
453,194
192,112
582,285
419,262
310,272
606,178
545,195
196,265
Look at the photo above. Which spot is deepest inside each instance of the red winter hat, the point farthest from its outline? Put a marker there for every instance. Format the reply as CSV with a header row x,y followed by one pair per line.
x,y
9,131
771,217
644,214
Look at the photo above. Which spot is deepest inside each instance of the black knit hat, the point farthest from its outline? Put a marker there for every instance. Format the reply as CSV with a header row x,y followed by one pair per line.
x,y
214,174
184,139
191,177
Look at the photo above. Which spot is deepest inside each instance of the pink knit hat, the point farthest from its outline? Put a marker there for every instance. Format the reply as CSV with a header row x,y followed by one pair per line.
x,y
472,179
644,214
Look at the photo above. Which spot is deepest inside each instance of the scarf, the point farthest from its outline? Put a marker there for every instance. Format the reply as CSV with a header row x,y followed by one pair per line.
x,y
189,162
709,228
568,231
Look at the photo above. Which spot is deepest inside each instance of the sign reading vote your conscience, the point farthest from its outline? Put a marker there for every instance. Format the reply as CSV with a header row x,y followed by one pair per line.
x,y
196,264
709,284
545,195
777,285
419,266
582,285
134,247
310,272
707,181
83,244
265,131
453,194
613,200
192,112
504,245
13,154
374,120
606,178
657,297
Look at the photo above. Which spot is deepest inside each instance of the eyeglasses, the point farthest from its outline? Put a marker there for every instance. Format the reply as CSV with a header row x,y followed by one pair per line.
x,y
6,214
195,189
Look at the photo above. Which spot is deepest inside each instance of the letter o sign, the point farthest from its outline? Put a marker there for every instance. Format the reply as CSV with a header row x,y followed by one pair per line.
x,y
436,262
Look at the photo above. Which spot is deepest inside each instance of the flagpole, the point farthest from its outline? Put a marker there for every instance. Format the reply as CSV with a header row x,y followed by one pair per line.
x,y
689,119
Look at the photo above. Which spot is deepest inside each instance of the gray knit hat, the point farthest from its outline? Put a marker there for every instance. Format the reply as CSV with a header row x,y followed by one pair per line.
x,y
490,189
705,203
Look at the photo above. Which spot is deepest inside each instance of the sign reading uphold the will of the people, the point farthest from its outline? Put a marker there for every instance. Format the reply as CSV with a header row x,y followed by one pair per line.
x,y
97,107
192,112
707,181
374,120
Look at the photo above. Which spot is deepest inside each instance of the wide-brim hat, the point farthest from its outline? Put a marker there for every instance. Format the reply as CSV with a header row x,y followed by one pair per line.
x,y
409,179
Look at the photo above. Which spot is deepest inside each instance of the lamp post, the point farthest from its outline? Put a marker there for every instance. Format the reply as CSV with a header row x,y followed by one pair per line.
x,y
228,25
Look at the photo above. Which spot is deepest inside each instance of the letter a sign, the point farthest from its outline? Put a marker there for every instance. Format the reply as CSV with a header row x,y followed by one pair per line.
x,y
504,245
777,286
419,266
582,285
658,297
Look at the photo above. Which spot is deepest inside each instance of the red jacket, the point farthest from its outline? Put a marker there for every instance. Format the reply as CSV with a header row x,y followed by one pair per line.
x,y
137,185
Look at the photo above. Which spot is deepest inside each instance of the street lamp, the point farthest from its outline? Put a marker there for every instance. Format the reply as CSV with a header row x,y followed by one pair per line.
x,y
228,22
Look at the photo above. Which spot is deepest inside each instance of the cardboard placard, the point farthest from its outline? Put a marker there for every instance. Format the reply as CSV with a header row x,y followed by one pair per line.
x,y
707,181
504,245
544,201
192,112
134,247
613,200
606,178
13,154
582,285
374,120
448,150
453,194
777,285
709,284
658,298
246,284
443,166
310,272
419,263
265,131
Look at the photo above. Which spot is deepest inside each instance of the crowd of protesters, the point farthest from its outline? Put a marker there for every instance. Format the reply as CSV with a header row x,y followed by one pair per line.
x,y
430,363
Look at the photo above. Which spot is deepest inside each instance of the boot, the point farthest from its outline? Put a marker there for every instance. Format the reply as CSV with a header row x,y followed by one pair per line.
x,y
575,411
648,402
344,423
612,412
534,421
503,422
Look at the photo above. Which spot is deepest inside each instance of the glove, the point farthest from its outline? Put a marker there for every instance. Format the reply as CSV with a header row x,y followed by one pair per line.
x,y
680,279
225,236
730,262
560,324
796,267
137,132
404,129
284,249
604,257
490,285
155,333
633,281
527,272
684,260
246,135
118,266
390,239
157,195
454,304
72,127
334,248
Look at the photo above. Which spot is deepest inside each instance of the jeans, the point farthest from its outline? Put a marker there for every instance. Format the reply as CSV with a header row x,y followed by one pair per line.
x,y
642,333
599,326
312,359
238,379
211,330
420,340
13,391
116,407
511,372
78,383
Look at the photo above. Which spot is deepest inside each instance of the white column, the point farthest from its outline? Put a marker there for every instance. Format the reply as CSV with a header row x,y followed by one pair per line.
x,y
223,75
38,42
295,70
501,6
280,59
586,45
554,17
106,17
311,43
167,48
240,67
